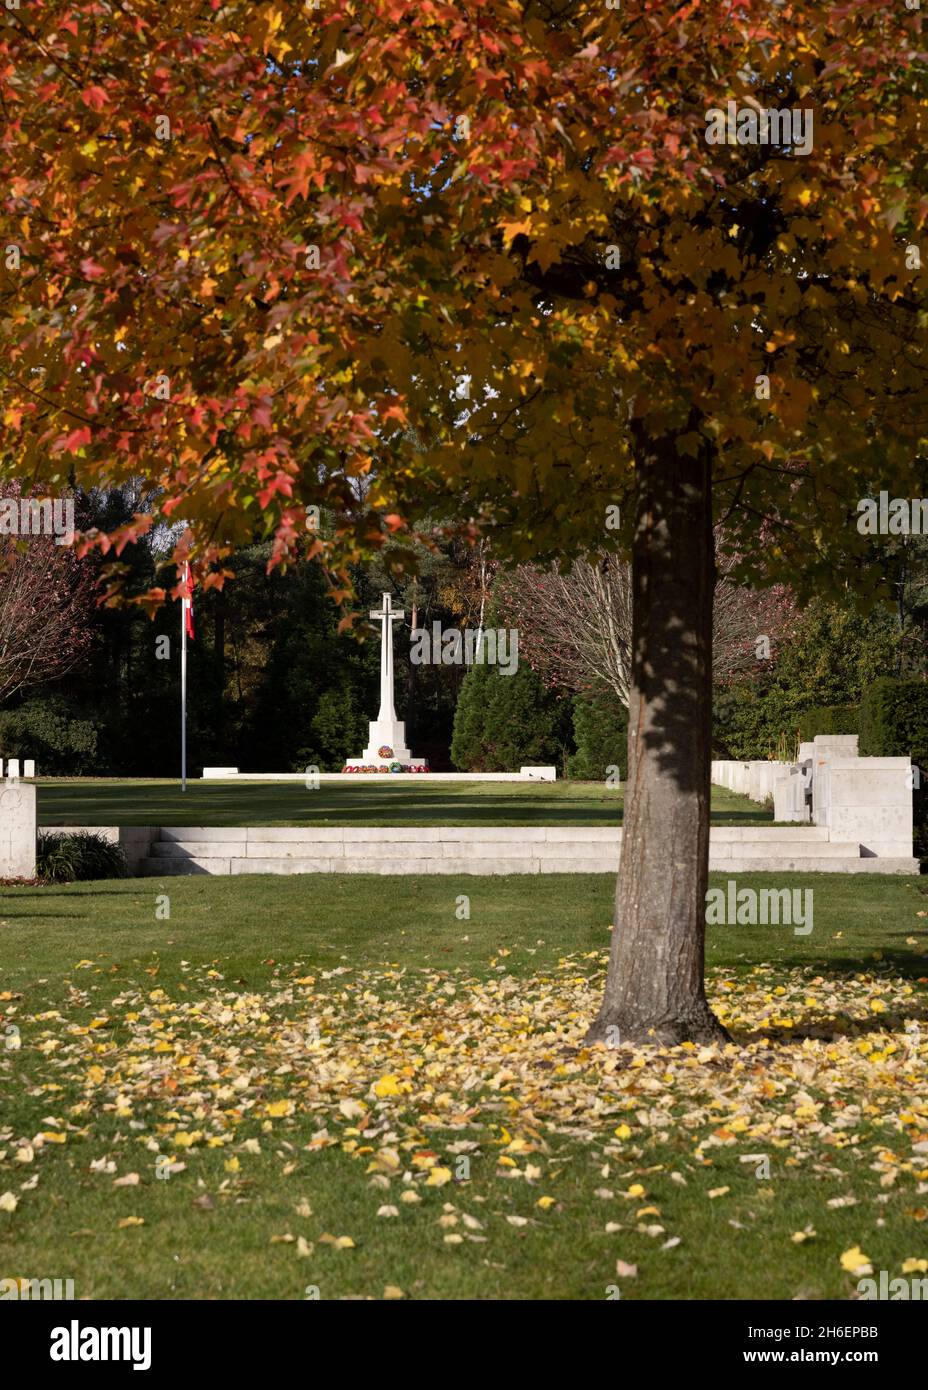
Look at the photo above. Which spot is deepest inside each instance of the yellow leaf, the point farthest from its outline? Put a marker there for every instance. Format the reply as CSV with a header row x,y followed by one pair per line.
x,y
278,1108
387,1086
438,1177
855,1261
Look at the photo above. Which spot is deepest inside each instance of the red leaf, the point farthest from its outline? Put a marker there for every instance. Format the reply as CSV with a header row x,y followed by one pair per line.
x,y
94,97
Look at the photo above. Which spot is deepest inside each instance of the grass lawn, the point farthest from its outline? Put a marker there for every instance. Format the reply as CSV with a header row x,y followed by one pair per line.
x,y
310,1059
396,801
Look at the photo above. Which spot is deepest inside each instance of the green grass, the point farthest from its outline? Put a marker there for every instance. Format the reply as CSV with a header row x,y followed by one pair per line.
x,y
382,801
381,954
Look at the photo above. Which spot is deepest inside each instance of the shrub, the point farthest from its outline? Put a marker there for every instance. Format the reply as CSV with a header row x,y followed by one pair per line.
x,y
502,722
894,724
828,719
601,736
63,858
338,730
894,720
61,742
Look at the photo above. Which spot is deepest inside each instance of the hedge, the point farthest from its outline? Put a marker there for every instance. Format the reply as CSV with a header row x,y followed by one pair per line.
x,y
828,719
894,720
601,736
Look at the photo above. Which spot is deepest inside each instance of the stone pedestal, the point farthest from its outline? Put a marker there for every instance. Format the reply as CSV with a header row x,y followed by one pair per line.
x,y
867,801
386,733
17,830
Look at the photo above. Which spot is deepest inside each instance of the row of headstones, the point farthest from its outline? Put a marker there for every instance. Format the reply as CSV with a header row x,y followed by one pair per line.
x,y
862,800
755,779
12,767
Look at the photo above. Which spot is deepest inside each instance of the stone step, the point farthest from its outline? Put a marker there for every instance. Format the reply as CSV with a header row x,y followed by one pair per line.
x,y
309,847
580,864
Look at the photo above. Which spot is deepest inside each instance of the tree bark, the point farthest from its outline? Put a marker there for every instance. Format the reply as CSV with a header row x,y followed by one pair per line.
x,y
654,989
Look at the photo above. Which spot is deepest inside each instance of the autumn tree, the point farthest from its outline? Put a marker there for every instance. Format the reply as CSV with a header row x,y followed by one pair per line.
x,y
575,626
257,249
46,597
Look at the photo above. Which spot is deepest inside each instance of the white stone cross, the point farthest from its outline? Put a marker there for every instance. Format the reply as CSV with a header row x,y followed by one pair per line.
x,y
387,616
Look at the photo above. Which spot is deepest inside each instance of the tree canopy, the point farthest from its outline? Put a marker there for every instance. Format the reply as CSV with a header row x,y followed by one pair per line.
x,y
256,252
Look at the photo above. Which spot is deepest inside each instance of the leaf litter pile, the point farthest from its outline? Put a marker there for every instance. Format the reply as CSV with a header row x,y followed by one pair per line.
x,y
417,1075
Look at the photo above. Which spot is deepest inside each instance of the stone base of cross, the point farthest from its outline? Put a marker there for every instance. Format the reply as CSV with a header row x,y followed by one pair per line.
x,y
386,734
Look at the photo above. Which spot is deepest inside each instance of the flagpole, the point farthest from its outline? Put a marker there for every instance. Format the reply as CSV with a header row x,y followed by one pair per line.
x,y
183,694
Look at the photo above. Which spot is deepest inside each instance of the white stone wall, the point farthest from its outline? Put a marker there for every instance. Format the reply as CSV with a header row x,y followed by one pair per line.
x,y
17,830
490,849
867,800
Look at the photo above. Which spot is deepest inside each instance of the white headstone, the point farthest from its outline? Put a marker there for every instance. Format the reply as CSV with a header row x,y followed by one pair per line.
x,y
29,767
13,768
17,830
789,797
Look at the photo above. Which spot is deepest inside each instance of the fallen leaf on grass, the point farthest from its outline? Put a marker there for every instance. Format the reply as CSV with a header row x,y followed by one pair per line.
x,y
856,1262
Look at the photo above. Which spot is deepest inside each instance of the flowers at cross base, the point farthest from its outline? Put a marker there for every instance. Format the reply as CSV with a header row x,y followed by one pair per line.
x,y
383,767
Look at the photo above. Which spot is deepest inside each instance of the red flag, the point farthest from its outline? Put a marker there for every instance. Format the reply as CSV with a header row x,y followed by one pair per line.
x,y
188,602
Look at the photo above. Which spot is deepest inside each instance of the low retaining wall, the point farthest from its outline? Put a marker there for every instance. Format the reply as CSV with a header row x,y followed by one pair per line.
x,y
162,851
136,840
526,774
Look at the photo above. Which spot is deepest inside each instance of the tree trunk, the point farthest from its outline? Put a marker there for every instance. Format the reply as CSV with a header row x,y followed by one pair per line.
x,y
654,989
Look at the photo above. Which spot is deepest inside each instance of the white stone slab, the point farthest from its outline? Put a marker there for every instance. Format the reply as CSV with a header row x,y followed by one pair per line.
x,y
281,866
281,834
797,849
500,833
197,849
590,834
390,834
202,832
17,830
157,868
490,849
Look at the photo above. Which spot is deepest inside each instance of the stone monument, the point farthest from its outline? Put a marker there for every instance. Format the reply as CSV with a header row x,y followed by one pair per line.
x,y
17,830
386,739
